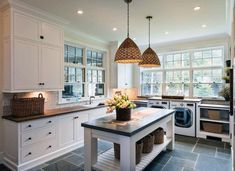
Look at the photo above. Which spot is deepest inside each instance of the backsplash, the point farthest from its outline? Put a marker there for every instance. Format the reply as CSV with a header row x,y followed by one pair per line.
x,y
51,100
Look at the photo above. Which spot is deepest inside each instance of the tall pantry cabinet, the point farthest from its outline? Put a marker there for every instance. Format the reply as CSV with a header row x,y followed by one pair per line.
x,y
32,53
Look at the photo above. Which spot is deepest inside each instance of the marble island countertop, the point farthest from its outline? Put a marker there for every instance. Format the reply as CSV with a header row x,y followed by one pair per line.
x,y
141,118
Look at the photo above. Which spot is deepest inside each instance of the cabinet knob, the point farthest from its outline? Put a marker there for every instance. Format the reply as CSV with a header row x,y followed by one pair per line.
x,y
29,153
76,117
49,146
29,138
49,121
41,37
49,133
29,126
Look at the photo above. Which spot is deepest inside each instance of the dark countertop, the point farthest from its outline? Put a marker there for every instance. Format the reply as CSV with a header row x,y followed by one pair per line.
x,y
141,118
52,112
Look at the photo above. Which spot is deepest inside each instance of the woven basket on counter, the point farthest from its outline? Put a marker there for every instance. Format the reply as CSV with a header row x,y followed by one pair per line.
x,y
212,127
148,142
23,107
158,136
139,147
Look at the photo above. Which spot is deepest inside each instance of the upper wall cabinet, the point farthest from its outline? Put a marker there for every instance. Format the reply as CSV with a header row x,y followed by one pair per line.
x,y
32,53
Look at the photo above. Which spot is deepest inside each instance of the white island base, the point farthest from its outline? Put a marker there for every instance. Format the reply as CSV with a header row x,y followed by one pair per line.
x,y
107,161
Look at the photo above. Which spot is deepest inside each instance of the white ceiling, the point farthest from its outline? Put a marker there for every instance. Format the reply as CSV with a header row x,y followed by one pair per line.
x,y
175,16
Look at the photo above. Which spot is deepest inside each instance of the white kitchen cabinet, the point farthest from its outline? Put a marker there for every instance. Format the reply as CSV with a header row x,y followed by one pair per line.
x,y
25,75
79,130
66,130
125,76
51,67
33,53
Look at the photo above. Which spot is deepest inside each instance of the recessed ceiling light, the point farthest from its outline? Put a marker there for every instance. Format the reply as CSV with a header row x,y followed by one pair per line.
x,y
79,12
114,29
196,8
204,26
166,33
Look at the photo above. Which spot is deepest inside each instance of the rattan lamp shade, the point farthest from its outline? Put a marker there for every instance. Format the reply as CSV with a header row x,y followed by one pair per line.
x,y
150,59
128,52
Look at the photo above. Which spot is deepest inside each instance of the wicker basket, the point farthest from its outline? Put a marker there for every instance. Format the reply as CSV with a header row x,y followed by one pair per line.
x,y
212,127
23,107
148,142
158,136
139,147
212,114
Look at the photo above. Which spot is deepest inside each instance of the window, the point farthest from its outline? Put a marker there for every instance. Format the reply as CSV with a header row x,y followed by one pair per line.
x,y
82,79
196,73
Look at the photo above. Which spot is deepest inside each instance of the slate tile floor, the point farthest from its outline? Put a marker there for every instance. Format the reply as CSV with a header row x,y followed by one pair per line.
x,y
190,154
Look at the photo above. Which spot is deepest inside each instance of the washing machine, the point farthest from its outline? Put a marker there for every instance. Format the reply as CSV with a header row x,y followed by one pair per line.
x,y
185,118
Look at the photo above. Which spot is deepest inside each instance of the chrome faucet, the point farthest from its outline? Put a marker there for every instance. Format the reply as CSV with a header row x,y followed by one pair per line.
x,y
91,97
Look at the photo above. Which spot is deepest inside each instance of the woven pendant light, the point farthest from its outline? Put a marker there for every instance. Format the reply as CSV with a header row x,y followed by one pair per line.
x,y
128,51
150,58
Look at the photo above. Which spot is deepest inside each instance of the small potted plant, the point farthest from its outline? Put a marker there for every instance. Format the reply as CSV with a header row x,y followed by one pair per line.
x,y
123,107
225,92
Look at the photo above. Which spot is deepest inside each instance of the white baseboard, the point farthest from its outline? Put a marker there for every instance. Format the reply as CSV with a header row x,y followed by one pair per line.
x,y
1,157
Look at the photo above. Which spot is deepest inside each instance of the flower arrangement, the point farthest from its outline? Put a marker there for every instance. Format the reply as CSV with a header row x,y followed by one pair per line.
x,y
119,102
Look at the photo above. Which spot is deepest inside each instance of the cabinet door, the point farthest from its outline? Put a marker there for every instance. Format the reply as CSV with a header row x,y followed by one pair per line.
x,y
25,63
51,70
25,27
79,130
51,34
66,130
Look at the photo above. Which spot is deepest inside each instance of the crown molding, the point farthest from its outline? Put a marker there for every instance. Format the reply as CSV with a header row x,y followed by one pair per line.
x,y
36,11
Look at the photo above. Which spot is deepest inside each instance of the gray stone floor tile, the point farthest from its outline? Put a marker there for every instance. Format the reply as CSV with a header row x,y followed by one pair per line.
x,y
176,161
184,146
172,167
184,155
59,158
75,159
186,139
189,169
207,163
154,167
205,149
38,168
61,166
223,153
211,143
162,158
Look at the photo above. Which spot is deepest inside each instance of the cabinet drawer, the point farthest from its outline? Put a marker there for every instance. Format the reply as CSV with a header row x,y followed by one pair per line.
x,y
35,136
37,124
37,150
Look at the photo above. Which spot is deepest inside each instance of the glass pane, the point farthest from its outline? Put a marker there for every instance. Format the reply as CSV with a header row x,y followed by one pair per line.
x,y
156,89
207,54
197,76
94,76
145,89
197,55
66,74
100,76
146,77
88,53
99,91
157,77
91,89
79,54
65,53
79,75
169,76
185,76
71,54
71,74
217,53
185,60
94,58
177,89
217,62
99,60
206,90
89,77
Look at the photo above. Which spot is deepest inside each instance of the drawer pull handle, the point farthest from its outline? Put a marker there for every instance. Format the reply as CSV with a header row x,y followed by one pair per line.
x,y
49,121
29,126
29,138
29,153
76,117
49,146
49,133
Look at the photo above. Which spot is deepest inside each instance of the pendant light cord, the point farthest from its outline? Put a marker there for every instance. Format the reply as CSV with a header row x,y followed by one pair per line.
x,y
149,31
128,16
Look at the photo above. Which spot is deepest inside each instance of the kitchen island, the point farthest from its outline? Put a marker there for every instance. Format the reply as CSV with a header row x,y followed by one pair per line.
x,y
143,122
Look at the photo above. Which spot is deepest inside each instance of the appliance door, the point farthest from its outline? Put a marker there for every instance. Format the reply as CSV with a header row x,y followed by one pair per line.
x,y
183,117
